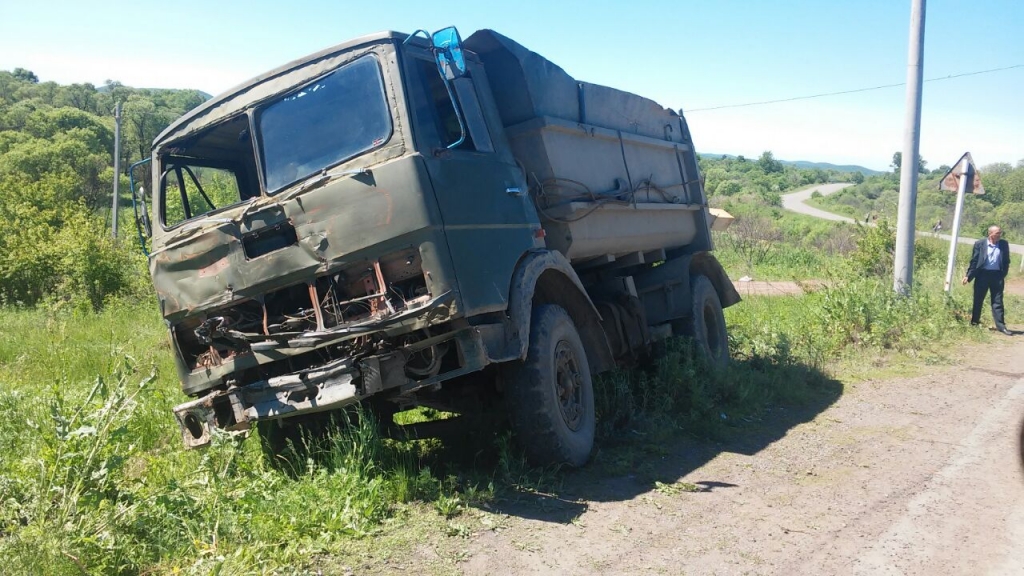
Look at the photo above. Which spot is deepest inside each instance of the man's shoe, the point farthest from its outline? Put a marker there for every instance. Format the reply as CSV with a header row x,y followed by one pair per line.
x,y
1005,331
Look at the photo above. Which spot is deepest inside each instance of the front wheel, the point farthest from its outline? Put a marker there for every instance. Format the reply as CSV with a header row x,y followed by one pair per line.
x,y
550,394
707,323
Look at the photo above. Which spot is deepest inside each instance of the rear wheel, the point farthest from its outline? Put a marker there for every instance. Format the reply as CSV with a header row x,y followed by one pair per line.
x,y
707,322
550,394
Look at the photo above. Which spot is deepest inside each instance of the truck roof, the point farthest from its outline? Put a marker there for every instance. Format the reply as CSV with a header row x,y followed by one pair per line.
x,y
266,85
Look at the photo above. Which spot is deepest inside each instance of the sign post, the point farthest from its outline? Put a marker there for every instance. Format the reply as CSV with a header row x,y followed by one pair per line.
x,y
961,176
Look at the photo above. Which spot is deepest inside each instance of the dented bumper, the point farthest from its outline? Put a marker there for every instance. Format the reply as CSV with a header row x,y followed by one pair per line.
x,y
334,385
236,409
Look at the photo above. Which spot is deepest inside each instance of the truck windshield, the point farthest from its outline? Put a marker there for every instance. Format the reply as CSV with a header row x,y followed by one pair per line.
x,y
324,123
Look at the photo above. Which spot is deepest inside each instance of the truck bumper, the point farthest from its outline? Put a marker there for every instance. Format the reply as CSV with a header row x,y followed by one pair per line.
x,y
235,410
333,385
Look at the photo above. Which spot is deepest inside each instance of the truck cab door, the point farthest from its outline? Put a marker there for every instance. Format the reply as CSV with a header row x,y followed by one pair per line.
x,y
488,217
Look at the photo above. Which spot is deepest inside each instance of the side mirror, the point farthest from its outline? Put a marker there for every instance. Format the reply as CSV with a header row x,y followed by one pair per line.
x,y
142,219
448,51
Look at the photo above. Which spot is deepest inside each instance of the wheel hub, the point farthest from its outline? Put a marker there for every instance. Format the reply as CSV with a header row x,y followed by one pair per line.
x,y
569,385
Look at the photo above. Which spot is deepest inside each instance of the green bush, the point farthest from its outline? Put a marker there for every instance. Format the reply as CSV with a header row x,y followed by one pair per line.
x,y
58,250
876,246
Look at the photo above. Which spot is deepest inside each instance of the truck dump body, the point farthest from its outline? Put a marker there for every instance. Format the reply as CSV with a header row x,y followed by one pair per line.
x,y
611,172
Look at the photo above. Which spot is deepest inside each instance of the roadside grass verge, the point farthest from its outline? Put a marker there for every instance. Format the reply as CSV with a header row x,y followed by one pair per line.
x,y
93,477
769,243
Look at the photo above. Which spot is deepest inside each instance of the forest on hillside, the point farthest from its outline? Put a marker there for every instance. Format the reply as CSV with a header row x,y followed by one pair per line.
x,y
1002,204
56,174
739,180
751,190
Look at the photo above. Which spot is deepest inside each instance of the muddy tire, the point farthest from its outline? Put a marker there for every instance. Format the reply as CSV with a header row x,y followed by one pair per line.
x,y
706,325
550,395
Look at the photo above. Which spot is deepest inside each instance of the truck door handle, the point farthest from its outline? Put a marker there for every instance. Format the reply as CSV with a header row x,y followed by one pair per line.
x,y
514,191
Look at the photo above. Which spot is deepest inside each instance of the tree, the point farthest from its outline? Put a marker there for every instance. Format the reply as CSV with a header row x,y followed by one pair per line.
x,y
81,96
25,75
857,177
768,163
144,120
728,188
897,163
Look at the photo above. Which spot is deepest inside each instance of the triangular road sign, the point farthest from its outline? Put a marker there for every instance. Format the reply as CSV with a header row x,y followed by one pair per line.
x,y
951,181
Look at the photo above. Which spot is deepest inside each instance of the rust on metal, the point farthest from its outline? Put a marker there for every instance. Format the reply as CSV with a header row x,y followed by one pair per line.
x,y
951,181
315,300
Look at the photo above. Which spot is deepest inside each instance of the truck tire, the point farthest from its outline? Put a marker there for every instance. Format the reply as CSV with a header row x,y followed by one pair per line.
x,y
707,323
550,394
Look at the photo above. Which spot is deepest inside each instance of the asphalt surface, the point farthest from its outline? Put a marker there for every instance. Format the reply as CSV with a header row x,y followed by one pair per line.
x,y
794,202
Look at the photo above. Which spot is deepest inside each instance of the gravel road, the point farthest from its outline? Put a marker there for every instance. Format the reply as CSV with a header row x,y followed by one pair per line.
x,y
909,476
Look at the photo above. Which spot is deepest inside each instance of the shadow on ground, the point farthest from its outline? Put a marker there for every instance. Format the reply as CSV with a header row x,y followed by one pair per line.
x,y
628,463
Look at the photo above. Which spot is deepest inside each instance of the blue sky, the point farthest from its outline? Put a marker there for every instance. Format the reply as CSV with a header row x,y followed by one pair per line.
x,y
683,54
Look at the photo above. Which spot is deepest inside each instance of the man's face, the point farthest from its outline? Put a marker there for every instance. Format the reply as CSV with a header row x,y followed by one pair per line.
x,y
994,234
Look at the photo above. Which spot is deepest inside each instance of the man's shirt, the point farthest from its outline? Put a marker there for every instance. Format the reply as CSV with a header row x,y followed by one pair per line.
x,y
992,259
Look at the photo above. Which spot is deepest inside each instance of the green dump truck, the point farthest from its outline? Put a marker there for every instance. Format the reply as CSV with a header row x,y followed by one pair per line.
x,y
412,220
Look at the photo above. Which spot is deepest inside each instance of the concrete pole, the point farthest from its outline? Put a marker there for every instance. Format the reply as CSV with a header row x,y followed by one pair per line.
x,y
903,271
117,169
965,166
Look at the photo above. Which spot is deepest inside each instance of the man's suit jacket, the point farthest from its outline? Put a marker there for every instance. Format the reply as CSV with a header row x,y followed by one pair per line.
x,y
980,253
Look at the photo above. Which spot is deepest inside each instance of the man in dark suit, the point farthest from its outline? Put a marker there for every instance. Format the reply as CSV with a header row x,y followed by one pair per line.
x,y
990,262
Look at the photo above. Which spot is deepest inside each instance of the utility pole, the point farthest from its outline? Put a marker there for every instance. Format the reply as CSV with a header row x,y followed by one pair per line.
x,y
117,168
903,271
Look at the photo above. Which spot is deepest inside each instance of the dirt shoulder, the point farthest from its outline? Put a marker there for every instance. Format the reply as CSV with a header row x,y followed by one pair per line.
x,y
775,287
903,476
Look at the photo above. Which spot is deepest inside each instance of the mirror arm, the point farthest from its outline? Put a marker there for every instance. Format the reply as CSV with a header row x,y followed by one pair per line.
x,y
135,203
458,110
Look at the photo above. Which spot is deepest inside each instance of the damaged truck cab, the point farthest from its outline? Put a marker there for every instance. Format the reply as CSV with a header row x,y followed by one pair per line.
x,y
395,213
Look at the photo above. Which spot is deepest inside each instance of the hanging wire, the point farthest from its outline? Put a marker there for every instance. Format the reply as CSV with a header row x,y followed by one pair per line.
x,y
855,90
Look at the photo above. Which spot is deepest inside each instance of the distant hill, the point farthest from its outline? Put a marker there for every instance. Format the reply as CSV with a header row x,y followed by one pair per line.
x,y
106,88
836,167
809,165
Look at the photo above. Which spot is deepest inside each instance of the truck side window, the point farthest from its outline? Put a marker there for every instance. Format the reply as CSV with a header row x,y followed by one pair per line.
x,y
192,190
439,110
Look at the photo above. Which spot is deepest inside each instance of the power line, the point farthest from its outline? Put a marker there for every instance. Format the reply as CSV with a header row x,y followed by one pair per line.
x,y
950,77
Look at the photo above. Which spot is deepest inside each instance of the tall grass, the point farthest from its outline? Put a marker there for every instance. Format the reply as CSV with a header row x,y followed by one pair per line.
x,y
93,477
